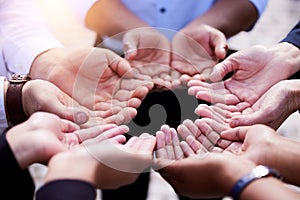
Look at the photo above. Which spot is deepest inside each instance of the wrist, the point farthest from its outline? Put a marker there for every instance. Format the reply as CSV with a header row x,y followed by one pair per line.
x,y
256,174
288,57
71,165
13,99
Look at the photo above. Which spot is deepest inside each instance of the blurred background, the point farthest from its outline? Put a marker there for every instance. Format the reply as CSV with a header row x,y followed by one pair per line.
x,y
279,17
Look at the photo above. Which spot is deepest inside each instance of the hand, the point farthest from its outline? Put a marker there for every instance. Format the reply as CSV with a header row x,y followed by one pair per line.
x,y
273,108
91,76
39,138
43,135
256,70
39,95
195,50
212,176
107,165
148,51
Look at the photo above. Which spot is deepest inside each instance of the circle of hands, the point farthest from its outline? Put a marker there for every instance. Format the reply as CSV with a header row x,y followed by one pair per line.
x,y
153,63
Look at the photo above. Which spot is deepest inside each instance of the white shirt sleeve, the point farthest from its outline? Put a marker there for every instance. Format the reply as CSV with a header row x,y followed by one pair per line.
x,y
80,9
24,34
260,5
3,121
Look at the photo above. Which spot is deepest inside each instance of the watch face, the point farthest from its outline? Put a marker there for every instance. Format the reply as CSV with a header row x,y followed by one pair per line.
x,y
261,171
19,78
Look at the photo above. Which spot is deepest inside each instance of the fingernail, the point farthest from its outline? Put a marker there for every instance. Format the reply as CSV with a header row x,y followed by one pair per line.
x,y
234,123
81,117
124,128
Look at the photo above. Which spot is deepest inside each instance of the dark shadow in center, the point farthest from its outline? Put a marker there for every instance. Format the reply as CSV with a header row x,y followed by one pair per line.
x,y
163,107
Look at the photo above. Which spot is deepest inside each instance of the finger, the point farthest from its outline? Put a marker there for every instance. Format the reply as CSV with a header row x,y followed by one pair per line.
x,y
235,134
210,134
168,141
259,117
92,132
118,64
191,127
130,43
213,97
120,139
187,150
176,145
183,131
219,43
146,143
160,145
223,68
206,111
194,144
68,126
110,133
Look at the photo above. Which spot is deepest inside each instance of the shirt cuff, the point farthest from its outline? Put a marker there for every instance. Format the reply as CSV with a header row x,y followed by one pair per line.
x,y
3,120
18,63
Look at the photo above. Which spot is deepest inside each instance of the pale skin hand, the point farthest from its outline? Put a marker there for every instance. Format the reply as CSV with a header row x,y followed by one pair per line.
x,y
189,175
148,51
255,70
271,109
45,134
40,95
107,165
196,49
263,145
92,76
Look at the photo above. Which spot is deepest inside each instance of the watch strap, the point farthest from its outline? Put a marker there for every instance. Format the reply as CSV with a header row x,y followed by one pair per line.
x,y
258,172
14,108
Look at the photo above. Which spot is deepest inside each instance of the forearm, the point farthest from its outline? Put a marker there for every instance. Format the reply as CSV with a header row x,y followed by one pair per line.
x,y
229,16
282,154
267,188
110,17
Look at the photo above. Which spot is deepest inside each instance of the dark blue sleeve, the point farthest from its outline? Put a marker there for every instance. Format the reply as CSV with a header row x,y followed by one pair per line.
x,y
293,36
12,177
66,190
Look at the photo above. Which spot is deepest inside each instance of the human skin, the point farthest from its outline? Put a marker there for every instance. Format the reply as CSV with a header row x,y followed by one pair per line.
x,y
271,109
105,164
255,70
44,134
263,145
93,77
214,175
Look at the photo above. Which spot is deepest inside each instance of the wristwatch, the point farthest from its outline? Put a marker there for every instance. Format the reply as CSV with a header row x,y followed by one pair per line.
x,y
14,108
258,172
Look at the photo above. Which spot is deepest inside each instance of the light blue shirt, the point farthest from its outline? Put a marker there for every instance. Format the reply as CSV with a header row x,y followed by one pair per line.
x,y
175,14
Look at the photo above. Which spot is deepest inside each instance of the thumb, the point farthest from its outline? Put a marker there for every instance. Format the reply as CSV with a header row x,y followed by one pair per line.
x,y
78,115
222,69
219,43
130,43
246,120
118,64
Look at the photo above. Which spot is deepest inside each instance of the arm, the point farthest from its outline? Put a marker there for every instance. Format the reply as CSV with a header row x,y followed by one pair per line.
x,y
28,36
229,16
12,175
114,12
264,146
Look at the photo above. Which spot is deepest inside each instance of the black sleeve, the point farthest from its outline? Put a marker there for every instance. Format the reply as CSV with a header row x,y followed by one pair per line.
x,y
12,177
66,190
293,36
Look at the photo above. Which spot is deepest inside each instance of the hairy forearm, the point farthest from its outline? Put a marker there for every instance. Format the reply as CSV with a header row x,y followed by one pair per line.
x,y
110,17
229,16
